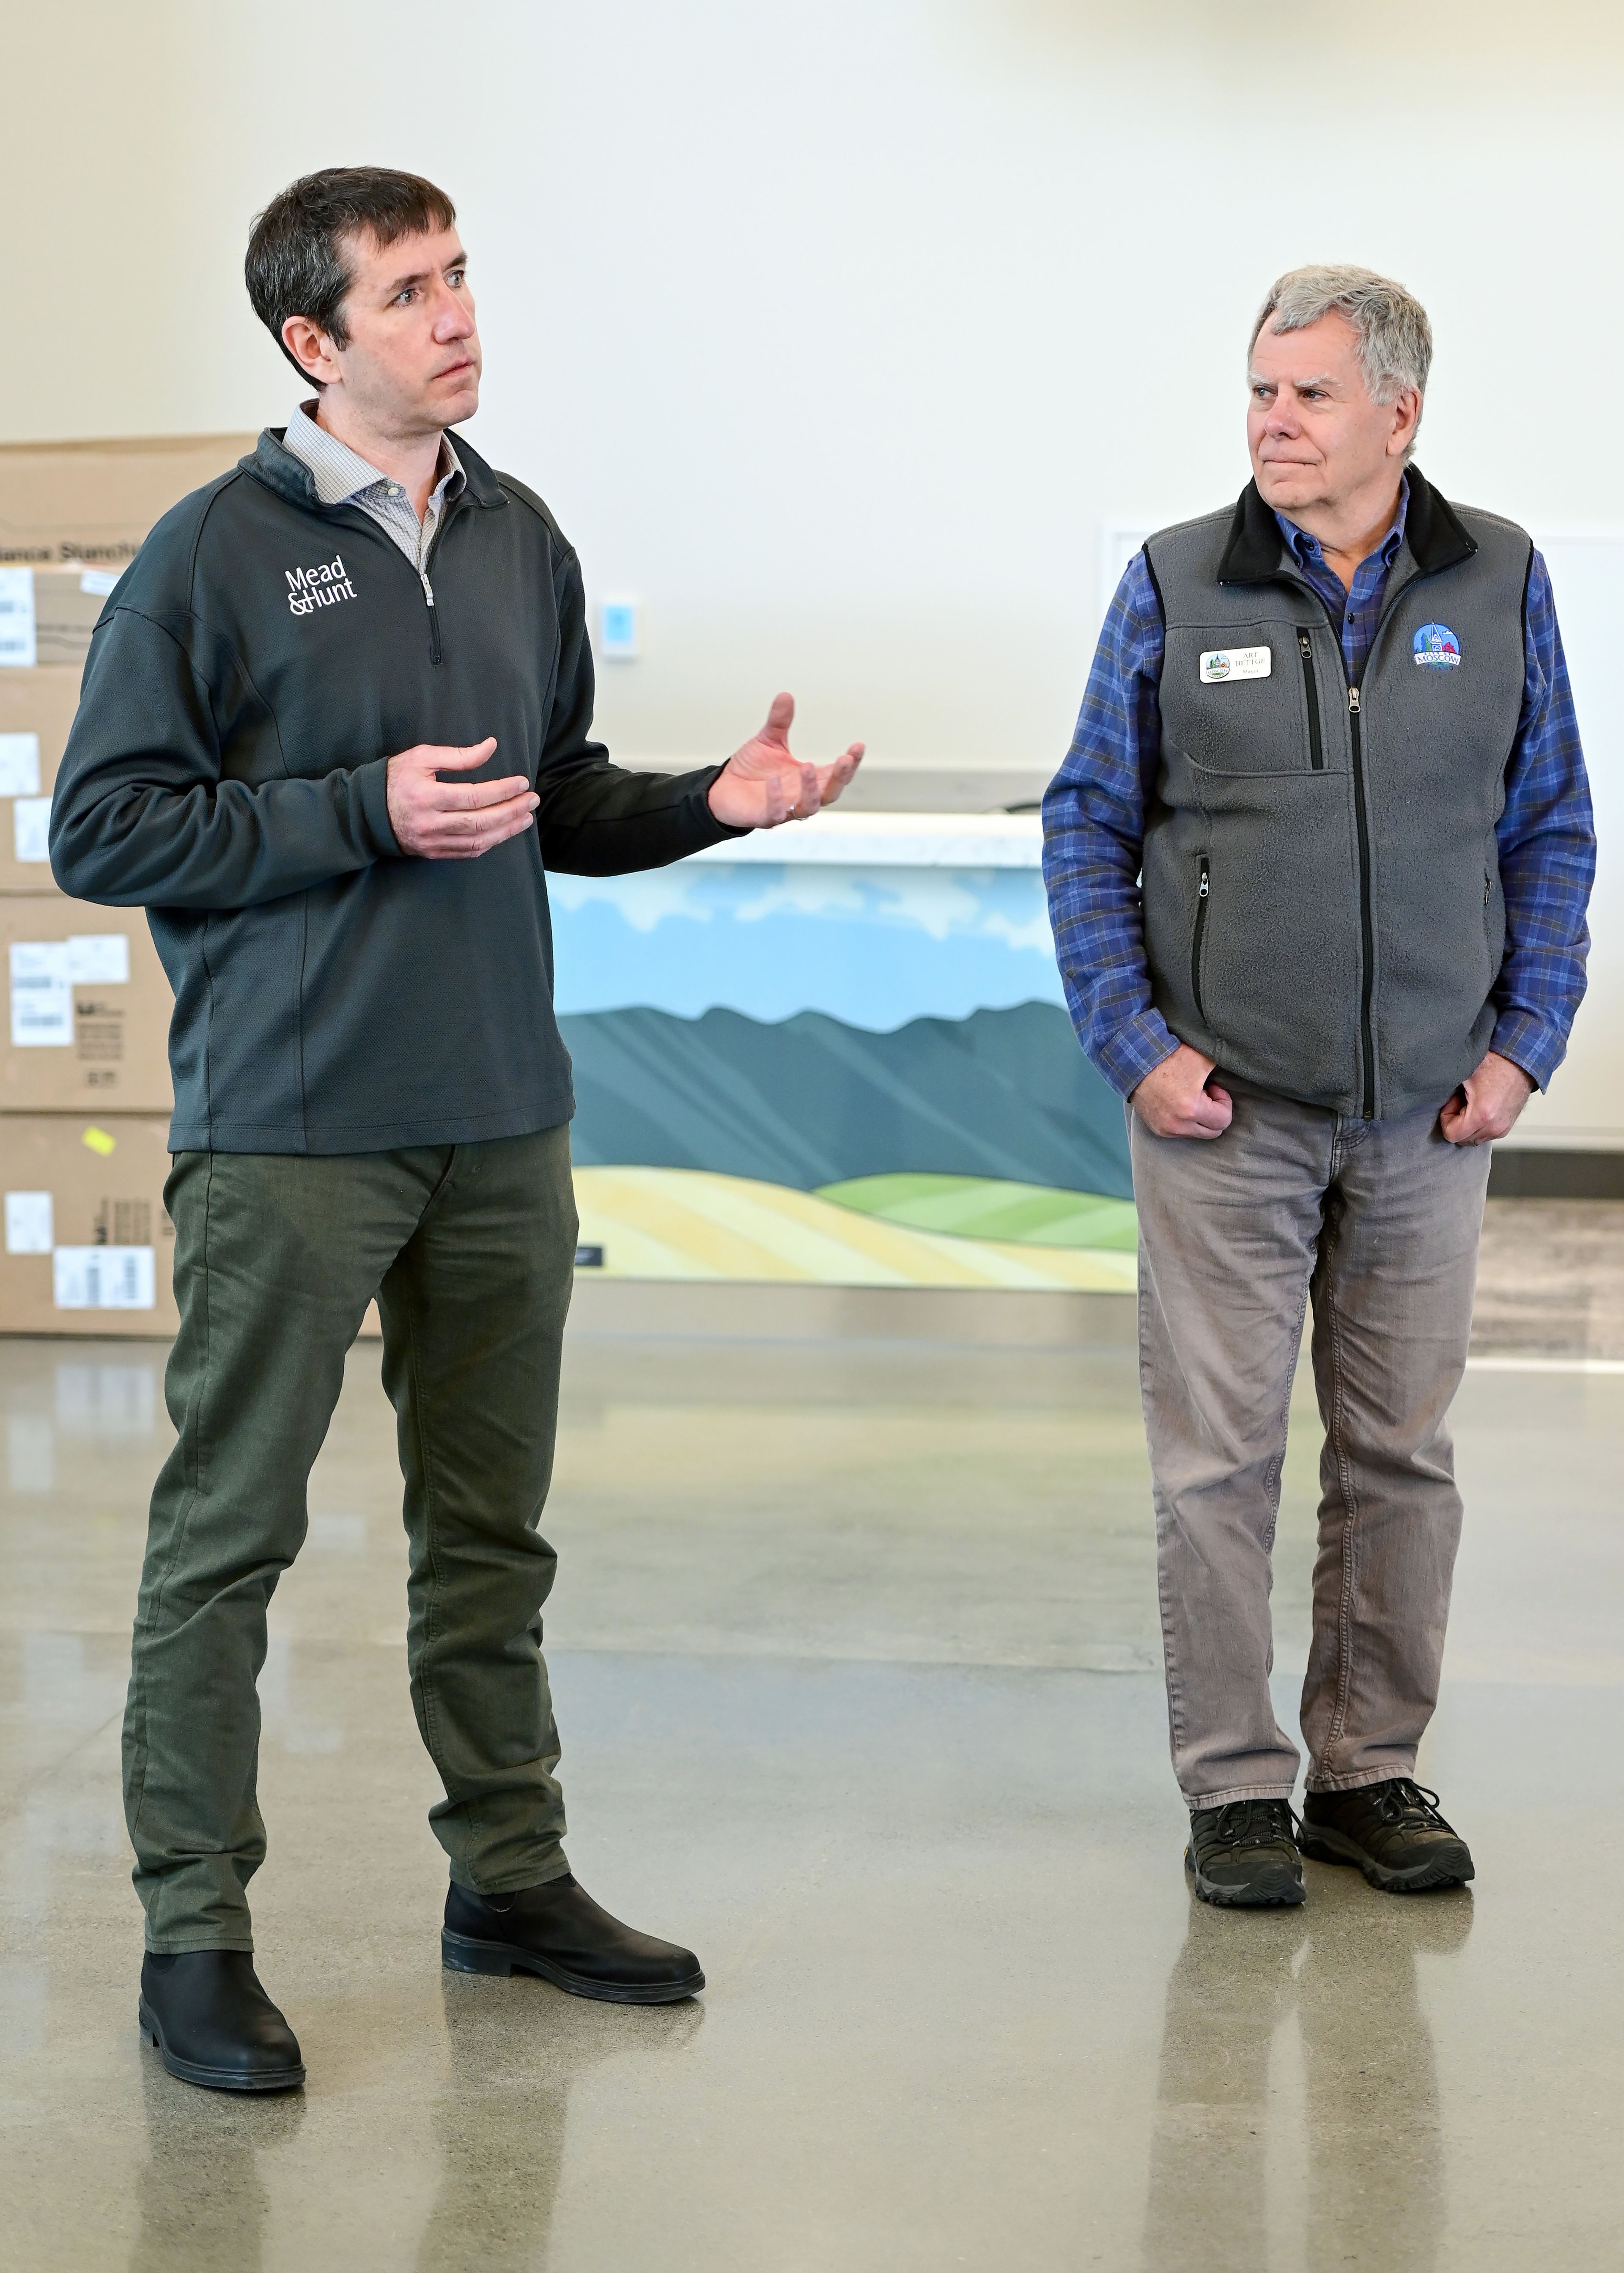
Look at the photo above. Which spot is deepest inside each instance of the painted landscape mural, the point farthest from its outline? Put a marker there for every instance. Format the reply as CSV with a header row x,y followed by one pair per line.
x,y
853,1068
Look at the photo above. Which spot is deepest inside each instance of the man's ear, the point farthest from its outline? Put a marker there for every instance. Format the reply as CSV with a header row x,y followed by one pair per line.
x,y
1406,418
311,349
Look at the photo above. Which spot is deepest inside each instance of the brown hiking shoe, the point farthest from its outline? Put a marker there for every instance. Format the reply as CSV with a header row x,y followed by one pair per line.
x,y
1392,1831
1243,1855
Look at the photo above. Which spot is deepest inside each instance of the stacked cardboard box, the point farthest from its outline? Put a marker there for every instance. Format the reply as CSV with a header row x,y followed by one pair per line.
x,y
85,1092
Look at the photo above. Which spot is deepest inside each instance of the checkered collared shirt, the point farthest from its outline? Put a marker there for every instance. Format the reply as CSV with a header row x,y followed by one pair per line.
x,y
1093,826
343,477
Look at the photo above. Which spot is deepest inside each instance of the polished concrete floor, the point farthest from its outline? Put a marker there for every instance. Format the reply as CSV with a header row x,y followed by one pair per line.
x,y
855,1647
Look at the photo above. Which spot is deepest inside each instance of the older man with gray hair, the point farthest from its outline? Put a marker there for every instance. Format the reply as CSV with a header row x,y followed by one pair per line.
x,y
1317,863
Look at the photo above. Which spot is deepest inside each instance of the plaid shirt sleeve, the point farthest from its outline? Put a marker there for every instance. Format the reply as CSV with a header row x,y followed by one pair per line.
x,y
1094,827
1547,854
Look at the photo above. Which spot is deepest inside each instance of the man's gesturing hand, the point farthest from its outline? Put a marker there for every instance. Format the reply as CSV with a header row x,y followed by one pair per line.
x,y
761,784
455,820
1173,1098
1486,1103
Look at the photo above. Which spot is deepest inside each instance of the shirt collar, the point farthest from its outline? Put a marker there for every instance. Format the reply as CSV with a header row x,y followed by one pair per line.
x,y
1307,549
341,474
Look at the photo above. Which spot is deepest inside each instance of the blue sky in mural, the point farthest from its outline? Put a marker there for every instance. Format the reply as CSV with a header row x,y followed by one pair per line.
x,y
874,947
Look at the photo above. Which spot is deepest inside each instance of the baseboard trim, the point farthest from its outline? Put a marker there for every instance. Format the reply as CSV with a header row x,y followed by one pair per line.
x,y
717,1310
1518,1175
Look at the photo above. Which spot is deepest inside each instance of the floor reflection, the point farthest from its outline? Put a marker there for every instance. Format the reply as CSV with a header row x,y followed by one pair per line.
x,y
518,2049
1344,1968
200,2196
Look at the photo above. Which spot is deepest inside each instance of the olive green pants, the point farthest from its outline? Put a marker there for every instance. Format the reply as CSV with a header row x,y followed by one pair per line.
x,y
469,1249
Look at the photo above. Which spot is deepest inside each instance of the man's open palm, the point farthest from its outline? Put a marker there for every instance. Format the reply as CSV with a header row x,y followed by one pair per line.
x,y
761,784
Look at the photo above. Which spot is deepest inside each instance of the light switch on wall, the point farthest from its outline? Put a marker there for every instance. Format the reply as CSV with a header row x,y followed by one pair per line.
x,y
620,624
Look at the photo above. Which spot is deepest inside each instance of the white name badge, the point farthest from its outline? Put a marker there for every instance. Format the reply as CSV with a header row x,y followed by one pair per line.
x,y
1222,663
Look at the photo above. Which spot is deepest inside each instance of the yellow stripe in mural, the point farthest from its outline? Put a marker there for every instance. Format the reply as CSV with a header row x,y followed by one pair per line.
x,y
687,1223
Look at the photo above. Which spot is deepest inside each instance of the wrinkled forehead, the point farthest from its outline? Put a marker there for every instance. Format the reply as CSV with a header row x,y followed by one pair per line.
x,y
1320,353
403,259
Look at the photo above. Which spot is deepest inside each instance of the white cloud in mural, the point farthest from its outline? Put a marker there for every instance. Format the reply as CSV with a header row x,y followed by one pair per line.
x,y
1002,905
644,901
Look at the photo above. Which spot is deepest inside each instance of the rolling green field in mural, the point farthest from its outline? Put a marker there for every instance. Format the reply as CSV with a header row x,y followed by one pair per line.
x,y
982,1207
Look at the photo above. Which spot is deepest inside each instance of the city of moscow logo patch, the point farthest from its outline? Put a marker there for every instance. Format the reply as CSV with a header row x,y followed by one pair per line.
x,y
1437,648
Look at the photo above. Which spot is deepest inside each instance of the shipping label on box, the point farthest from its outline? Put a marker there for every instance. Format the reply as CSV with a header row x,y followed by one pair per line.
x,y
103,1278
17,634
89,1245
41,996
37,710
19,765
90,1010
30,1223
31,832
47,615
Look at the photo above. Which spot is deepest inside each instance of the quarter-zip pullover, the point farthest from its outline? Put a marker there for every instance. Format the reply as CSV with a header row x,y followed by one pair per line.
x,y
253,671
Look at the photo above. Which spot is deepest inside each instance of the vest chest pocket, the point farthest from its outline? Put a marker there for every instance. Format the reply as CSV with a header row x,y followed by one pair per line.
x,y
1247,698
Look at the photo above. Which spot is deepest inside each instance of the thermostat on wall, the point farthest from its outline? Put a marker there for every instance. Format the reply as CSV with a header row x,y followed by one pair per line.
x,y
620,624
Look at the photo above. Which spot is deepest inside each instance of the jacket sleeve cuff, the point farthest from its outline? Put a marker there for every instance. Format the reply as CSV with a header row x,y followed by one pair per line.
x,y
1529,1042
700,818
1134,1049
373,787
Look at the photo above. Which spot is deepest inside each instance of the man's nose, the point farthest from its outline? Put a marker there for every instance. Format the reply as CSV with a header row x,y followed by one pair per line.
x,y
455,321
1282,418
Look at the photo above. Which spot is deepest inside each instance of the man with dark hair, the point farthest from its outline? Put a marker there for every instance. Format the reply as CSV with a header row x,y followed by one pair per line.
x,y
287,750
1318,865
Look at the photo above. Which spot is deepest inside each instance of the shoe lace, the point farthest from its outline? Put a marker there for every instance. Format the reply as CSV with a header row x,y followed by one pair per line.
x,y
1403,1800
1255,1823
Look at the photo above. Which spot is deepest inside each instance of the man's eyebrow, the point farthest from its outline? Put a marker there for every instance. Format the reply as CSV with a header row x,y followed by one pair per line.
x,y
1326,378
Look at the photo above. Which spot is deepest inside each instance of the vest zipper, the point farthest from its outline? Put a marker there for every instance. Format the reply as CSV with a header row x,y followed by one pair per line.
x,y
1368,928
1311,692
1366,919
1203,886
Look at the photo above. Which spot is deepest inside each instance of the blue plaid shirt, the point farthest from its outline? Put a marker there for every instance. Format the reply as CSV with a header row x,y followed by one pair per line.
x,y
1094,825
1358,607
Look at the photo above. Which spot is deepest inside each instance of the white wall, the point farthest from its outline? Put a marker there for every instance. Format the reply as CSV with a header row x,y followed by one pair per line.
x,y
836,328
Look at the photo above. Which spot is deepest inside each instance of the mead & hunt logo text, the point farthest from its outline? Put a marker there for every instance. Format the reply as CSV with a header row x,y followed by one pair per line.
x,y
323,587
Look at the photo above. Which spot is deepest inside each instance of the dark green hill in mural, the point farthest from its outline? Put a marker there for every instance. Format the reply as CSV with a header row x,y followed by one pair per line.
x,y
810,1101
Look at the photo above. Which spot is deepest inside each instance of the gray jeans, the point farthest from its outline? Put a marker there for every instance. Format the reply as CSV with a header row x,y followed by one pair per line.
x,y
1377,1223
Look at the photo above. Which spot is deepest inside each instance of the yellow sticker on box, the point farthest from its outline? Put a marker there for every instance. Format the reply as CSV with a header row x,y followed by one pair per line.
x,y
99,1141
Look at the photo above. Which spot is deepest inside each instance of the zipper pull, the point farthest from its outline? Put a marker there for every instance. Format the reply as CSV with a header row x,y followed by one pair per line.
x,y
1353,702
1304,646
1202,888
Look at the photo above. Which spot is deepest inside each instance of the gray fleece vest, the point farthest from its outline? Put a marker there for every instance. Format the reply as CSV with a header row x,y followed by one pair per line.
x,y
1322,906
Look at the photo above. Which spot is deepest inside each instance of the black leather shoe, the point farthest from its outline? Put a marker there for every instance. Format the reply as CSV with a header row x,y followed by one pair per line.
x,y
214,2024
1243,1855
557,1931
1392,1831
